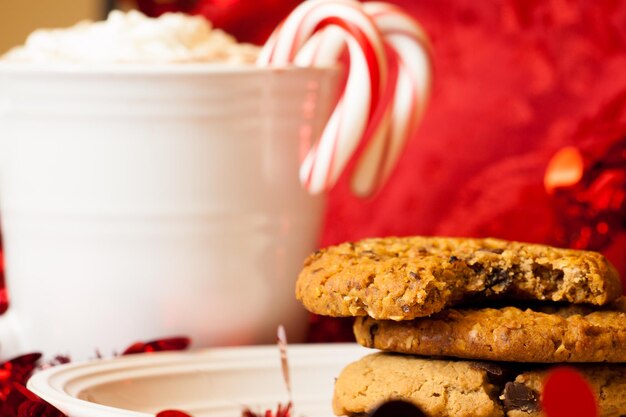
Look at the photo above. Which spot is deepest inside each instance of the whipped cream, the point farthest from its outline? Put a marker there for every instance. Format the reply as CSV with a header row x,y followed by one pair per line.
x,y
131,37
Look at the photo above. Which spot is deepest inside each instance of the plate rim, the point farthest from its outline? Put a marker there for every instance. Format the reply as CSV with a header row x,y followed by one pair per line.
x,y
51,384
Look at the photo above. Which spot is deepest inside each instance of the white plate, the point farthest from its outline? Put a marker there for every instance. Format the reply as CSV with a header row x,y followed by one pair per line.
x,y
214,382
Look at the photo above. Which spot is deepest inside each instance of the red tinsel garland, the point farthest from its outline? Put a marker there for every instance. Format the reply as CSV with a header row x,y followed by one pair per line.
x,y
17,401
588,180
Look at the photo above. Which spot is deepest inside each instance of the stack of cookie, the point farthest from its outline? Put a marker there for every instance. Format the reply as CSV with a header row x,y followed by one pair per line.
x,y
469,327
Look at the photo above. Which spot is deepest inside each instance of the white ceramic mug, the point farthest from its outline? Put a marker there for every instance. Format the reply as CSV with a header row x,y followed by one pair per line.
x,y
139,203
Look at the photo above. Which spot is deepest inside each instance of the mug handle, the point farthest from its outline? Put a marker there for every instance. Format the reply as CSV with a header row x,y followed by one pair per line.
x,y
9,336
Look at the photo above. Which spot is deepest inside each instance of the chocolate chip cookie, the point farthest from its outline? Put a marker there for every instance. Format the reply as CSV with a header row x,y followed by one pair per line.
x,y
571,333
439,388
406,278
461,388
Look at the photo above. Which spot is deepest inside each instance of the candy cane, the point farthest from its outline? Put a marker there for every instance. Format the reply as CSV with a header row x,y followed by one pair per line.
x,y
314,35
349,121
328,157
410,48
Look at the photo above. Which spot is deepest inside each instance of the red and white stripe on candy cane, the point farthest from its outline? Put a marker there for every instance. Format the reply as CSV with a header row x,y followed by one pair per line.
x,y
388,54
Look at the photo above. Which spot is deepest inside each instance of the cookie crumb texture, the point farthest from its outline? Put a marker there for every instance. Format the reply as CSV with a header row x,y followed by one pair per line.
x,y
541,334
405,278
439,388
463,389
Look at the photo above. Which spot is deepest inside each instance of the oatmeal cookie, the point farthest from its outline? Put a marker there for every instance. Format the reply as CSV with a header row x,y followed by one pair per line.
x,y
404,278
537,334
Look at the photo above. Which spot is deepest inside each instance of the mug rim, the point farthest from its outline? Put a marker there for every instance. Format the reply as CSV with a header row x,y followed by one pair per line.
x,y
144,69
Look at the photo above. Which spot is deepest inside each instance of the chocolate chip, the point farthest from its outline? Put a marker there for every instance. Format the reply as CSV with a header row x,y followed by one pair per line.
x,y
490,367
453,259
549,276
497,251
519,397
397,408
498,278
592,330
496,373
